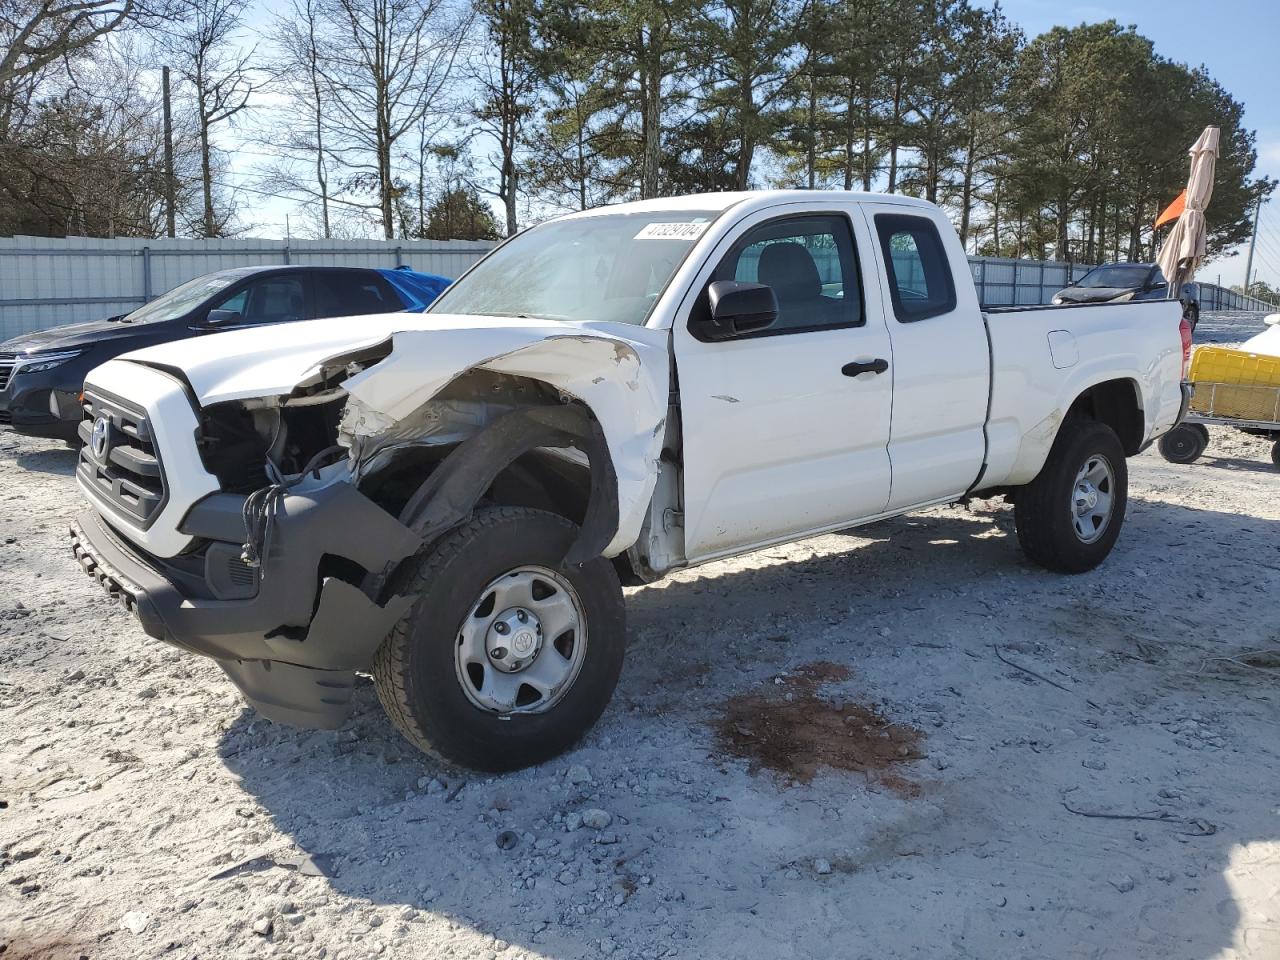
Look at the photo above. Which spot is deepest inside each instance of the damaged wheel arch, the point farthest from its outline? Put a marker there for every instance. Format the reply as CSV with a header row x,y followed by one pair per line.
x,y
457,485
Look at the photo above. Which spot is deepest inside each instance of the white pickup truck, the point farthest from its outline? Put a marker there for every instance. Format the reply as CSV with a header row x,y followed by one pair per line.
x,y
450,501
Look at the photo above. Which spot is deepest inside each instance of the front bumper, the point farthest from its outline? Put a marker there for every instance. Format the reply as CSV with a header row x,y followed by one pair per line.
x,y
28,402
291,640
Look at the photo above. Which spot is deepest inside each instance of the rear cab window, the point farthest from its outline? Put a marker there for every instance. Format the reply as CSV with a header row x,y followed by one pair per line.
x,y
919,273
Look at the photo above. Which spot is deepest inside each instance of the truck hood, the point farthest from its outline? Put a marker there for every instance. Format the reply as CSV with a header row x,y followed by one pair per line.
x,y
272,360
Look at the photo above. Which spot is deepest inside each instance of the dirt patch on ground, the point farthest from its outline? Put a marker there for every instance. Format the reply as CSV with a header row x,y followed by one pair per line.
x,y
792,730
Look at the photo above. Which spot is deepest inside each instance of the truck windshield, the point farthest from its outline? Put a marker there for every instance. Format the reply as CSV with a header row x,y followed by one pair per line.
x,y
610,267
1116,275
180,300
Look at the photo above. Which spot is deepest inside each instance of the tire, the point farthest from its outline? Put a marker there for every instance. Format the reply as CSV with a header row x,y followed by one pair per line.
x,y
1184,443
1047,509
1275,454
434,695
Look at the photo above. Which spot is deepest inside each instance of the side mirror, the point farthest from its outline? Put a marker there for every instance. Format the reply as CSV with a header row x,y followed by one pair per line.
x,y
1157,285
737,308
222,318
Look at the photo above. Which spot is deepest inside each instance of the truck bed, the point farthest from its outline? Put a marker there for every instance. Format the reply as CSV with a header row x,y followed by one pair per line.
x,y
1044,356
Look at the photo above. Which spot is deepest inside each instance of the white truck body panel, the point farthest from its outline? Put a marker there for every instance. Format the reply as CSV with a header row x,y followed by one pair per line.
x,y
1030,393
941,376
776,440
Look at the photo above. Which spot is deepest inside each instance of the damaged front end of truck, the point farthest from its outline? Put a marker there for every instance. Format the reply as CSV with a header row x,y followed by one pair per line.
x,y
320,493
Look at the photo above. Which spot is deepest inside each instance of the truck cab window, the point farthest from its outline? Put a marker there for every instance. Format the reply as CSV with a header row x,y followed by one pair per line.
x,y
808,261
920,281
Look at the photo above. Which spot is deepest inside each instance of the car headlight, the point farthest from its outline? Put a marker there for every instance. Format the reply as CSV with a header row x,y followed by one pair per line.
x,y
46,361
1059,301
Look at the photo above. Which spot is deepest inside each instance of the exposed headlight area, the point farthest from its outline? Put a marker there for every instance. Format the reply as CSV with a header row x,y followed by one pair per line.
x,y
1058,301
38,363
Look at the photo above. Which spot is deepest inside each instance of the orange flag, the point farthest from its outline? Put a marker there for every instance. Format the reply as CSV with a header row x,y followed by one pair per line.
x,y
1173,211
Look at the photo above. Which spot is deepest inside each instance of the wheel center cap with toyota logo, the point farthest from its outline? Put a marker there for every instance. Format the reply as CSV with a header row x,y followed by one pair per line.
x,y
98,439
523,642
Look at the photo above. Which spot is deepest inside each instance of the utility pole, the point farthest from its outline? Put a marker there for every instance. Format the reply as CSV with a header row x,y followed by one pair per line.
x,y
170,215
1253,241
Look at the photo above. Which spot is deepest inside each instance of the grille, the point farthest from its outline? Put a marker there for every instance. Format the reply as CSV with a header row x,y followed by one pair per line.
x,y
118,458
7,362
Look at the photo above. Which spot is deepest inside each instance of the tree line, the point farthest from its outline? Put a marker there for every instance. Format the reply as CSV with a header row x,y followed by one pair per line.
x,y
405,118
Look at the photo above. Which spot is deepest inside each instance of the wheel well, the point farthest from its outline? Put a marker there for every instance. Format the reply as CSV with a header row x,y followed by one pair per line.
x,y
1115,403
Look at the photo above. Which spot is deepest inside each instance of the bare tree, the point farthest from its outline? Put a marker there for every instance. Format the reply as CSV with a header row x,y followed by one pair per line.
x,y
386,68
202,44
85,155
298,38
507,77
37,33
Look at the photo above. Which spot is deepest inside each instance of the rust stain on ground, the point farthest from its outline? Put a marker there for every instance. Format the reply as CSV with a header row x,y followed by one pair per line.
x,y
794,731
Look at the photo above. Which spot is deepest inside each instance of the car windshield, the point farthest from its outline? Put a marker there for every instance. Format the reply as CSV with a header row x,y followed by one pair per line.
x,y
1116,275
182,299
609,267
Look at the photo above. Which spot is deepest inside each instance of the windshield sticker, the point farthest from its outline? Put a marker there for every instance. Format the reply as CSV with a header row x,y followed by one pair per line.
x,y
671,231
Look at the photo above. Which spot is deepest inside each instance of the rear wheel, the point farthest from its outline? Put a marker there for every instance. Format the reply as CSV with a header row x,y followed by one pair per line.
x,y
1184,443
1069,516
508,656
1275,454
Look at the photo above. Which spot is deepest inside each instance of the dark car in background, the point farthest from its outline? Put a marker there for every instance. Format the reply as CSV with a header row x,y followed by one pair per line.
x,y
42,373
1117,282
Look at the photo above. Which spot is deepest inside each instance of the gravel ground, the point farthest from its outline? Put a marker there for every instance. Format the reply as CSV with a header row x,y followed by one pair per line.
x,y
1088,763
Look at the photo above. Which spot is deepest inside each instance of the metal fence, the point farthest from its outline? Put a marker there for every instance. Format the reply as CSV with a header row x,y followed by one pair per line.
x,y
46,282
1003,282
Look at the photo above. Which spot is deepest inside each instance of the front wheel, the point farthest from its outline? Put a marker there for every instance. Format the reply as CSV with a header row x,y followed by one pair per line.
x,y
1069,516
508,656
1184,443
1275,454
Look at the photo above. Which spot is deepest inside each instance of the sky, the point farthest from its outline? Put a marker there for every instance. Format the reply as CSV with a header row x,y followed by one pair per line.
x,y
1234,39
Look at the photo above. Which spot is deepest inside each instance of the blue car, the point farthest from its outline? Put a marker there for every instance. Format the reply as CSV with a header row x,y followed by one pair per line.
x,y
42,373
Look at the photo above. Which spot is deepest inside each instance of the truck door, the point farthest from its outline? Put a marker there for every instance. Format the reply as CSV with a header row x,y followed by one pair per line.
x,y
783,433
941,361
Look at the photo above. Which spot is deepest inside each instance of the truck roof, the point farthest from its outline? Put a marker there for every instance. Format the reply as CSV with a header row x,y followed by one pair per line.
x,y
752,198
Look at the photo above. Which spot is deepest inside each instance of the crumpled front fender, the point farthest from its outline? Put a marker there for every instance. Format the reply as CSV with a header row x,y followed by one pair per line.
x,y
623,380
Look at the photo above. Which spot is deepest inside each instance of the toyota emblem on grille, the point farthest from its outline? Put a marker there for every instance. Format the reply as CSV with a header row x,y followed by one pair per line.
x,y
98,439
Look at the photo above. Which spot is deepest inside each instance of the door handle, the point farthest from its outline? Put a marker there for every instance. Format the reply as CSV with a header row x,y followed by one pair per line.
x,y
868,366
